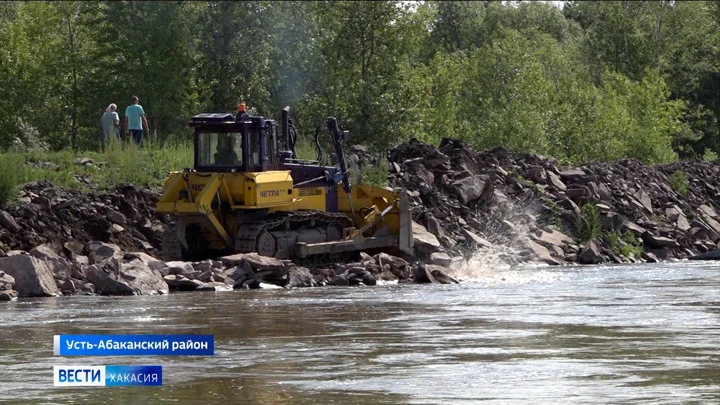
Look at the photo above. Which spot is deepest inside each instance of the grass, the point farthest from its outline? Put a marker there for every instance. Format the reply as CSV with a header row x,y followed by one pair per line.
x,y
12,174
119,163
375,175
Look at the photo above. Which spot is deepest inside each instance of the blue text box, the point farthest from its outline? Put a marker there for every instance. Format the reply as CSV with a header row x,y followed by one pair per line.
x,y
134,345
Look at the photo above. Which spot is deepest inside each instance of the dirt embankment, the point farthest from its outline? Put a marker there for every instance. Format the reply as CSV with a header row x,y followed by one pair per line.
x,y
464,202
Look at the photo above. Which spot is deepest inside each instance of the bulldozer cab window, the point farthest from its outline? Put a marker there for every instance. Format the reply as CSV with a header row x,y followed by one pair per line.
x,y
219,149
254,152
260,150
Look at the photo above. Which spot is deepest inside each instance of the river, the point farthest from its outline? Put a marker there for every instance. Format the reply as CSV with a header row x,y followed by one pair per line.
x,y
623,334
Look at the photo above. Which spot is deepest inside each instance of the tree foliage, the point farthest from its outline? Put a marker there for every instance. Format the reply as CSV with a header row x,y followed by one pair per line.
x,y
588,81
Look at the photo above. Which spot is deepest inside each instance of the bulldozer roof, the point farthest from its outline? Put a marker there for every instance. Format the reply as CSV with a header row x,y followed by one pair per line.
x,y
214,118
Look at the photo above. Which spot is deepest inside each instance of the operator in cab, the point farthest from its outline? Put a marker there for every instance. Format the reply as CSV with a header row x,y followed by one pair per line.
x,y
225,152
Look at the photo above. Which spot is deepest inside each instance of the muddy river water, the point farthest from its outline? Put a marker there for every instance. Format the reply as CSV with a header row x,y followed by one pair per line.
x,y
623,334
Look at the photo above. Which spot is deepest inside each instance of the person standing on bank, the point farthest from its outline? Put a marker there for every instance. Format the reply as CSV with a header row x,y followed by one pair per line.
x,y
135,120
111,125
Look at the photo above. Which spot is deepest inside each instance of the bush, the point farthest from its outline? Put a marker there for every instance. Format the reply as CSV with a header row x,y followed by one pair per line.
x,y
625,245
553,212
375,175
679,183
589,224
709,155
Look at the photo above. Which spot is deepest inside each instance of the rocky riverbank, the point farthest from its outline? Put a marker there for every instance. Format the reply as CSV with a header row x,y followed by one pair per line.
x,y
620,211
465,204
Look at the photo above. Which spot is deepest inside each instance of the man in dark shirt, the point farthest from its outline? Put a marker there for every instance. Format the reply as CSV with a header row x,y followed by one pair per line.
x,y
225,154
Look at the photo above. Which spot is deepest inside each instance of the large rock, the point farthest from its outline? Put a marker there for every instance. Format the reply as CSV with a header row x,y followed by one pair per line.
x,y
214,286
256,261
142,256
240,272
543,254
553,238
431,273
7,282
650,257
73,248
710,221
8,222
179,282
389,267
633,228
660,241
480,242
676,215
471,188
441,259
425,242
573,176
555,181
711,255
60,267
537,174
590,254
440,274
116,217
299,277
357,275
32,276
394,261
8,295
44,252
181,268
113,277
601,192
207,265
98,252
644,200
83,287
579,193
707,210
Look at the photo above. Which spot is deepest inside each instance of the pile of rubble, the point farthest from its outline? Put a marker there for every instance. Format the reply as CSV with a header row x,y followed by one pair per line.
x,y
471,199
51,215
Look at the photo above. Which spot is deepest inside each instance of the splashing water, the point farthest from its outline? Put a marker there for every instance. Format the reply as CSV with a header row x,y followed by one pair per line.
x,y
507,260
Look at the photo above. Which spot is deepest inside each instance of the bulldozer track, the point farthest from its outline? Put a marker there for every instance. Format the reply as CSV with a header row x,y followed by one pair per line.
x,y
247,237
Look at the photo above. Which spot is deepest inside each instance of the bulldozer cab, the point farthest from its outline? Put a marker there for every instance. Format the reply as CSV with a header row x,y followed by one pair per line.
x,y
234,143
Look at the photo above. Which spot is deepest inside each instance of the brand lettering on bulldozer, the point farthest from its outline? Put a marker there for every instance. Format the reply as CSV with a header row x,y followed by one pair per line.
x,y
270,193
197,187
310,191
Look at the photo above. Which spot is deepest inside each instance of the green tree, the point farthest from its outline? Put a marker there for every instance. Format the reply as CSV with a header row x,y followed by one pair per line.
x,y
145,48
365,77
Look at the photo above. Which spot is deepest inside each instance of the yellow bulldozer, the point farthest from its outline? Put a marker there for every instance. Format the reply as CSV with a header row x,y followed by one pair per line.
x,y
249,192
